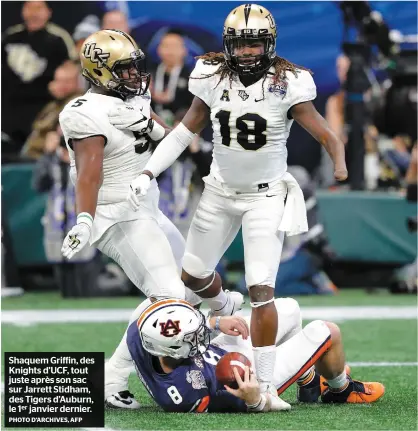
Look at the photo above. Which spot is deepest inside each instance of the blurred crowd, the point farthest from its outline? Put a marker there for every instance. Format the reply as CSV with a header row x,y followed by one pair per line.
x,y
41,73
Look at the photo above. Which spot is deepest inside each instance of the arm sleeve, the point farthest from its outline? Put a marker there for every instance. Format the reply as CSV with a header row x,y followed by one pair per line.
x,y
201,84
225,402
169,149
300,89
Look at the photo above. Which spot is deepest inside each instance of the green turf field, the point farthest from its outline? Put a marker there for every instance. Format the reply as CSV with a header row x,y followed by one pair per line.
x,y
384,350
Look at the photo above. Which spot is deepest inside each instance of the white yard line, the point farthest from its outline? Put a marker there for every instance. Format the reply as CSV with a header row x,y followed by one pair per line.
x,y
383,364
336,314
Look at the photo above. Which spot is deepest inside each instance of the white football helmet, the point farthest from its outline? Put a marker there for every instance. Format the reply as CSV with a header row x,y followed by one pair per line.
x,y
174,328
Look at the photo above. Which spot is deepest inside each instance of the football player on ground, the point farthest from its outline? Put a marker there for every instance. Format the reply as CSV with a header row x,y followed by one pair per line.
x,y
108,132
251,95
168,342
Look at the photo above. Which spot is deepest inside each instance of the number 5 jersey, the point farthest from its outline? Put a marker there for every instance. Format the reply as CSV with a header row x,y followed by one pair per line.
x,y
125,152
250,124
125,155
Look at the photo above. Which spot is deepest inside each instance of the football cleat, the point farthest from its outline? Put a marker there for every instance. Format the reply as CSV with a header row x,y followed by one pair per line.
x,y
122,400
356,393
233,304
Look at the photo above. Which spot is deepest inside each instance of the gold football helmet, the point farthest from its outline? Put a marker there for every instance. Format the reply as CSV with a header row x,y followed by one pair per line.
x,y
111,59
247,25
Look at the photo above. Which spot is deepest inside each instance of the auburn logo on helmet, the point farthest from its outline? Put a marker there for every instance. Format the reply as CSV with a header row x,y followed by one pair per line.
x,y
170,328
96,55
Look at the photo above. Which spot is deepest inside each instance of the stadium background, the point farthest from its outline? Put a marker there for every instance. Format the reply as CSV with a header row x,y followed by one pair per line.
x,y
379,328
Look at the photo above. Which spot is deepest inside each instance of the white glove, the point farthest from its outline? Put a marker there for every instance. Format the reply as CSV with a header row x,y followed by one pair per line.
x,y
139,188
78,237
130,118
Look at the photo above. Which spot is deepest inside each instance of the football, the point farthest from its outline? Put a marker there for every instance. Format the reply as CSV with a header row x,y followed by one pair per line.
x,y
224,373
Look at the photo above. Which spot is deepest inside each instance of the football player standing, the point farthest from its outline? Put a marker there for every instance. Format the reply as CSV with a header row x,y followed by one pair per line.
x,y
251,95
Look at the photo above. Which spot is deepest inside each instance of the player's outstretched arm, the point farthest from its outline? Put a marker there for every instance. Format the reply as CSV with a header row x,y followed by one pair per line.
x,y
169,149
179,139
313,122
89,163
230,325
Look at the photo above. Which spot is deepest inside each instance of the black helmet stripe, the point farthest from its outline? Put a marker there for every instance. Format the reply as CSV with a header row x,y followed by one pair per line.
x,y
126,35
247,10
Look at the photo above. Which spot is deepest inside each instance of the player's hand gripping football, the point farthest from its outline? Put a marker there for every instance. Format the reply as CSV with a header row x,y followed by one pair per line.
x,y
248,389
231,325
139,188
126,117
77,238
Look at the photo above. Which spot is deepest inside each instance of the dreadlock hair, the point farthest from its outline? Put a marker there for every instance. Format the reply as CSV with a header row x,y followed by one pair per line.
x,y
280,64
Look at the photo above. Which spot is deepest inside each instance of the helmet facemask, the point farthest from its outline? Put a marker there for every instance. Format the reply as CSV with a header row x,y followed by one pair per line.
x,y
247,64
198,340
129,76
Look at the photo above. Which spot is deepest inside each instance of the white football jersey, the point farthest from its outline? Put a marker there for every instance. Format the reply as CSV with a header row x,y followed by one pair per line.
x,y
125,154
250,124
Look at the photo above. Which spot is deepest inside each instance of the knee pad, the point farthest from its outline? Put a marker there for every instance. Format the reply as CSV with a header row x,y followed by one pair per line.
x,y
258,274
194,266
317,331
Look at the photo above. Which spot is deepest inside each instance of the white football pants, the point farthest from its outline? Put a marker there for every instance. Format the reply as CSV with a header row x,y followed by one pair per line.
x,y
216,222
150,250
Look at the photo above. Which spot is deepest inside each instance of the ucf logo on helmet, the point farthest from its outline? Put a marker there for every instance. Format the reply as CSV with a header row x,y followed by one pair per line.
x,y
96,55
170,328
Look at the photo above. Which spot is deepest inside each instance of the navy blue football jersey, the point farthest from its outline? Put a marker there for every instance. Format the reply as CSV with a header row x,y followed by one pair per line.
x,y
191,387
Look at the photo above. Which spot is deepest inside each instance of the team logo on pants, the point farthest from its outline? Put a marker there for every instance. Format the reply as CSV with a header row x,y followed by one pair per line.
x,y
170,328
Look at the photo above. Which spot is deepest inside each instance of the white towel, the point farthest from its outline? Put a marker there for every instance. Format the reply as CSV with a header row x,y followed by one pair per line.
x,y
294,221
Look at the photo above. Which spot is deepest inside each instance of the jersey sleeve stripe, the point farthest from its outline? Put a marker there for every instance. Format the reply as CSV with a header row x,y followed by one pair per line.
x,y
202,407
66,38
14,29
195,405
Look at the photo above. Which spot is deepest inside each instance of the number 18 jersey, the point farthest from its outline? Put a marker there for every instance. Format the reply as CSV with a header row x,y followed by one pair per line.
x,y
250,124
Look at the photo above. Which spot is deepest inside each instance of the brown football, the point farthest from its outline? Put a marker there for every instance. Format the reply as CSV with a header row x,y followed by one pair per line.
x,y
224,373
